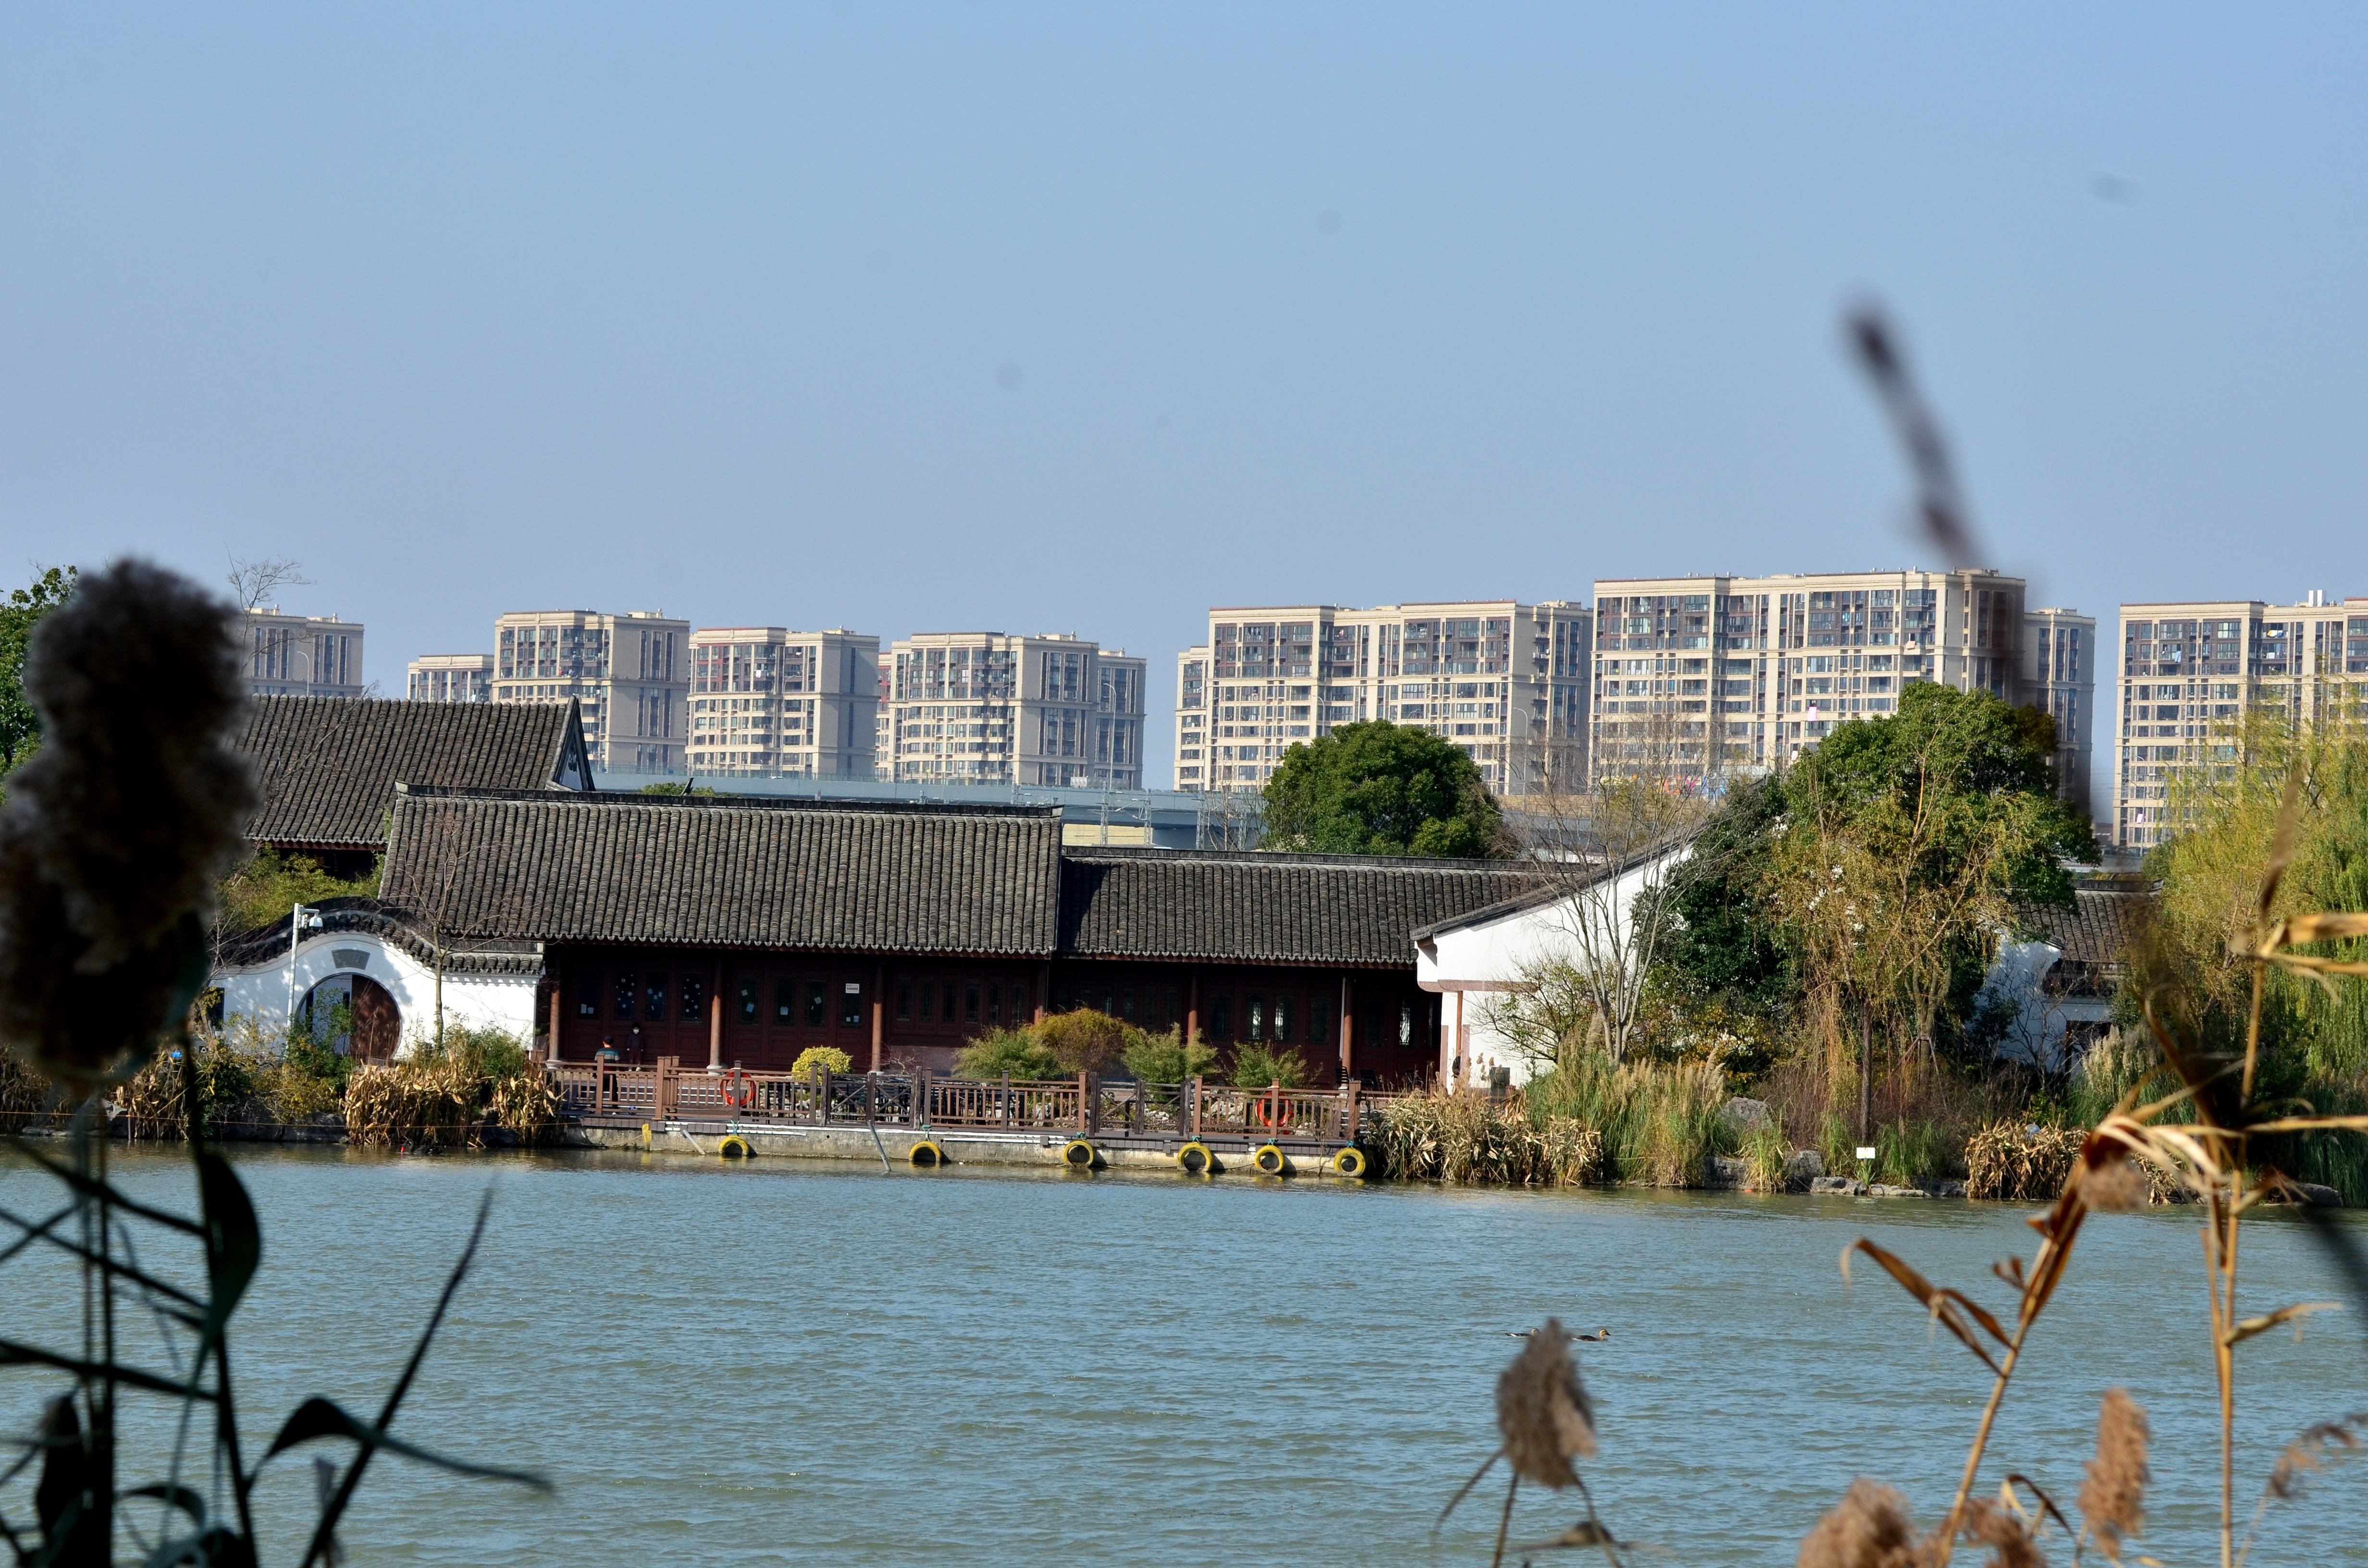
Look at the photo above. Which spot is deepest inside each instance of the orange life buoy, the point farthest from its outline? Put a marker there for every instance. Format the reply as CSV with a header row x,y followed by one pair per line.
x,y
738,1090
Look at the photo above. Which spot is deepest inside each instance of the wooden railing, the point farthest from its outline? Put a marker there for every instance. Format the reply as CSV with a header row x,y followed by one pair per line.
x,y
1084,1105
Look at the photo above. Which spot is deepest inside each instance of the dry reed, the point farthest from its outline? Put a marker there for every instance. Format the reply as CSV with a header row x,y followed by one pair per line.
x,y
1546,1421
1989,1524
2021,1163
1868,1528
1543,1411
526,1108
2309,1452
1472,1138
427,1103
2113,1498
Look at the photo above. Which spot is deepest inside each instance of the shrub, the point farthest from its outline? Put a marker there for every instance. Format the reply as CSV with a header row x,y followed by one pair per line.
x,y
1256,1066
1082,1040
1165,1058
815,1060
311,1059
488,1053
1006,1053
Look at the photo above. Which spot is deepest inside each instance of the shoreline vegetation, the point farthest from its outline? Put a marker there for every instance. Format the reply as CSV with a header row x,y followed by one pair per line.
x,y
1587,1123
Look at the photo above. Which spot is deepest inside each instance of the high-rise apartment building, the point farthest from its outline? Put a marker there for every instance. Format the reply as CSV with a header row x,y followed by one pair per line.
x,y
1506,682
302,656
2060,678
1696,677
979,707
630,672
773,703
2192,672
451,678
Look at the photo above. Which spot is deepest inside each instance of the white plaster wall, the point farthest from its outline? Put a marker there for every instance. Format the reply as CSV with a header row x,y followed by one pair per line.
x,y
1472,962
470,1001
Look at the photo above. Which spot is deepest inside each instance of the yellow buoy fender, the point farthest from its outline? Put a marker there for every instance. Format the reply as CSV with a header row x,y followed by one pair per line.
x,y
925,1155
1194,1159
1349,1161
1079,1155
1270,1160
733,1147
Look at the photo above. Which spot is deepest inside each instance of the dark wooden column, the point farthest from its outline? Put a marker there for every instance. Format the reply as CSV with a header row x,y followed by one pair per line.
x,y
1044,989
1192,1009
1348,1029
555,1022
879,1010
715,1020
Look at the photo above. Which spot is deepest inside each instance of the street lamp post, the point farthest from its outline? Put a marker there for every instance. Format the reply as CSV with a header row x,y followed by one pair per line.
x,y
301,919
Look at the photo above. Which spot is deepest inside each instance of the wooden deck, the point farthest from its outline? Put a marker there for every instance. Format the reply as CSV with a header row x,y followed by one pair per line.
x,y
1119,1115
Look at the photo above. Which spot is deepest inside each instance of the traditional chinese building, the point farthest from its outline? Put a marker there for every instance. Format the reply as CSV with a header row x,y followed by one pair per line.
x,y
744,930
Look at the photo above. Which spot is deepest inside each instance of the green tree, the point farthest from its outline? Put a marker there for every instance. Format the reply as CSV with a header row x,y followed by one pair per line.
x,y
1723,943
20,727
265,888
1907,844
1376,789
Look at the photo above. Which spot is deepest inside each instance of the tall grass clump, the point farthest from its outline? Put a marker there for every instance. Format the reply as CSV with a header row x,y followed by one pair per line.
x,y
1660,1121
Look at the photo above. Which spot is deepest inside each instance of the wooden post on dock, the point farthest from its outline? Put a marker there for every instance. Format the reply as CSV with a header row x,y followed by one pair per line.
x,y
1196,1104
1007,1099
662,1088
1081,1102
1093,1104
821,1096
554,1023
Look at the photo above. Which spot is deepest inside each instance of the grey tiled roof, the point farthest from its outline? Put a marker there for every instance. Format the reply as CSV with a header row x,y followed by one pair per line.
x,y
731,872
249,949
1257,908
2097,930
327,766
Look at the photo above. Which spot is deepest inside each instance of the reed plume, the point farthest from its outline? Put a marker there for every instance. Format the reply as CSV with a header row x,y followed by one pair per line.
x,y
2112,1500
1868,1528
1543,1411
2309,1452
2114,1187
116,833
1986,1523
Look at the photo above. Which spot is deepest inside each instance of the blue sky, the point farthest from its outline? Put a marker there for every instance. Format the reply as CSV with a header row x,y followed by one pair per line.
x,y
1084,318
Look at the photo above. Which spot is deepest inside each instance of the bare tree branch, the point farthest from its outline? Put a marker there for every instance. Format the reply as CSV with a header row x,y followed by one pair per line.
x,y
256,582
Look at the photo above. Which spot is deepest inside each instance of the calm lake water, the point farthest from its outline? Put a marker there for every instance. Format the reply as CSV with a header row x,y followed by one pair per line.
x,y
830,1363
